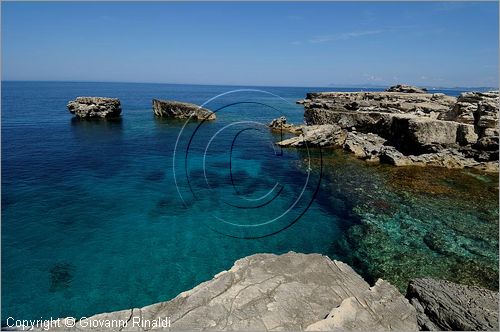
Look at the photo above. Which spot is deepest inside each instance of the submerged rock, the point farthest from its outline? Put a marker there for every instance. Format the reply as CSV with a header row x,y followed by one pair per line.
x,y
443,305
61,276
95,107
279,292
181,110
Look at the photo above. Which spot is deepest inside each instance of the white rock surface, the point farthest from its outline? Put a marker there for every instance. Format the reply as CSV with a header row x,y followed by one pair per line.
x,y
279,292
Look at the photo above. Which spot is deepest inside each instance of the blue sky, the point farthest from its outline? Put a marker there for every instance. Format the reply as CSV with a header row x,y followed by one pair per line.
x,y
289,44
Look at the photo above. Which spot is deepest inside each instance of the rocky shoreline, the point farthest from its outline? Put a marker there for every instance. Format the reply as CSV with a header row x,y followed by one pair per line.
x,y
308,292
402,128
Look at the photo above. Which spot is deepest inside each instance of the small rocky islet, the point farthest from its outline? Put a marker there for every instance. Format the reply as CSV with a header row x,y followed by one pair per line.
x,y
109,108
403,126
95,107
181,110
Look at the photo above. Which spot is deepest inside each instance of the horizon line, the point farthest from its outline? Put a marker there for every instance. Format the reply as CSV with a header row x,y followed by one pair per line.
x,y
333,85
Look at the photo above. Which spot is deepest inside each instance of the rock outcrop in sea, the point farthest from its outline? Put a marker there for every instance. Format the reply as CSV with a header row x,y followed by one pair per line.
x,y
405,128
181,110
280,124
309,292
95,107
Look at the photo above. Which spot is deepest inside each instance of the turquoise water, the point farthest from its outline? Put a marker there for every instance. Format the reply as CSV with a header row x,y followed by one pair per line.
x,y
93,220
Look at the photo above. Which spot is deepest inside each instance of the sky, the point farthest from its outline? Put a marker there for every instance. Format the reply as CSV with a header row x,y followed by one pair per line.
x,y
443,44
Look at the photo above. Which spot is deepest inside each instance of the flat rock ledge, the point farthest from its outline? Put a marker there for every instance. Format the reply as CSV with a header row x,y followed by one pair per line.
x,y
279,292
181,110
404,127
443,305
95,107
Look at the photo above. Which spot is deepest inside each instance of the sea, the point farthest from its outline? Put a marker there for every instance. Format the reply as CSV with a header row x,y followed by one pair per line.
x,y
104,215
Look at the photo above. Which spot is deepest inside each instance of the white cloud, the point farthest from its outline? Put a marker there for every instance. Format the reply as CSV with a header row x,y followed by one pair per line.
x,y
343,36
373,78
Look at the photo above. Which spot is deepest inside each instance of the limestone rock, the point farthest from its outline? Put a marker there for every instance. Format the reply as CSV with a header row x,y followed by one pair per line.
x,y
406,89
382,310
319,136
422,128
364,146
181,110
95,107
418,135
390,155
466,134
480,108
423,104
443,305
280,124
410,132
489,143
279,292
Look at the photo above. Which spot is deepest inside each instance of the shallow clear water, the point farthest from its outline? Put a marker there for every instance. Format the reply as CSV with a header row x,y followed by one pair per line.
x,y
92,219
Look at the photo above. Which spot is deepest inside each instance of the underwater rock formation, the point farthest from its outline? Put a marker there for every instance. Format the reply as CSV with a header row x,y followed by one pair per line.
x,y
280,292
95,107
181,110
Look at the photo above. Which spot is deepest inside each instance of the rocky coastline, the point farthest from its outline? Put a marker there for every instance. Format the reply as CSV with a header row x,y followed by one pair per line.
x,y
308,292
402,126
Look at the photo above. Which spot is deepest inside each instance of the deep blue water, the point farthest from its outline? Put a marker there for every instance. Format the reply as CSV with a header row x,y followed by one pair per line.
x,y
92,219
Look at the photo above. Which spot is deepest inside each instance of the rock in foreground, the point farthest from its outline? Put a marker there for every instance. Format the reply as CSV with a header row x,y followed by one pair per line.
x,y
443,305
95,107
286,292
181,110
